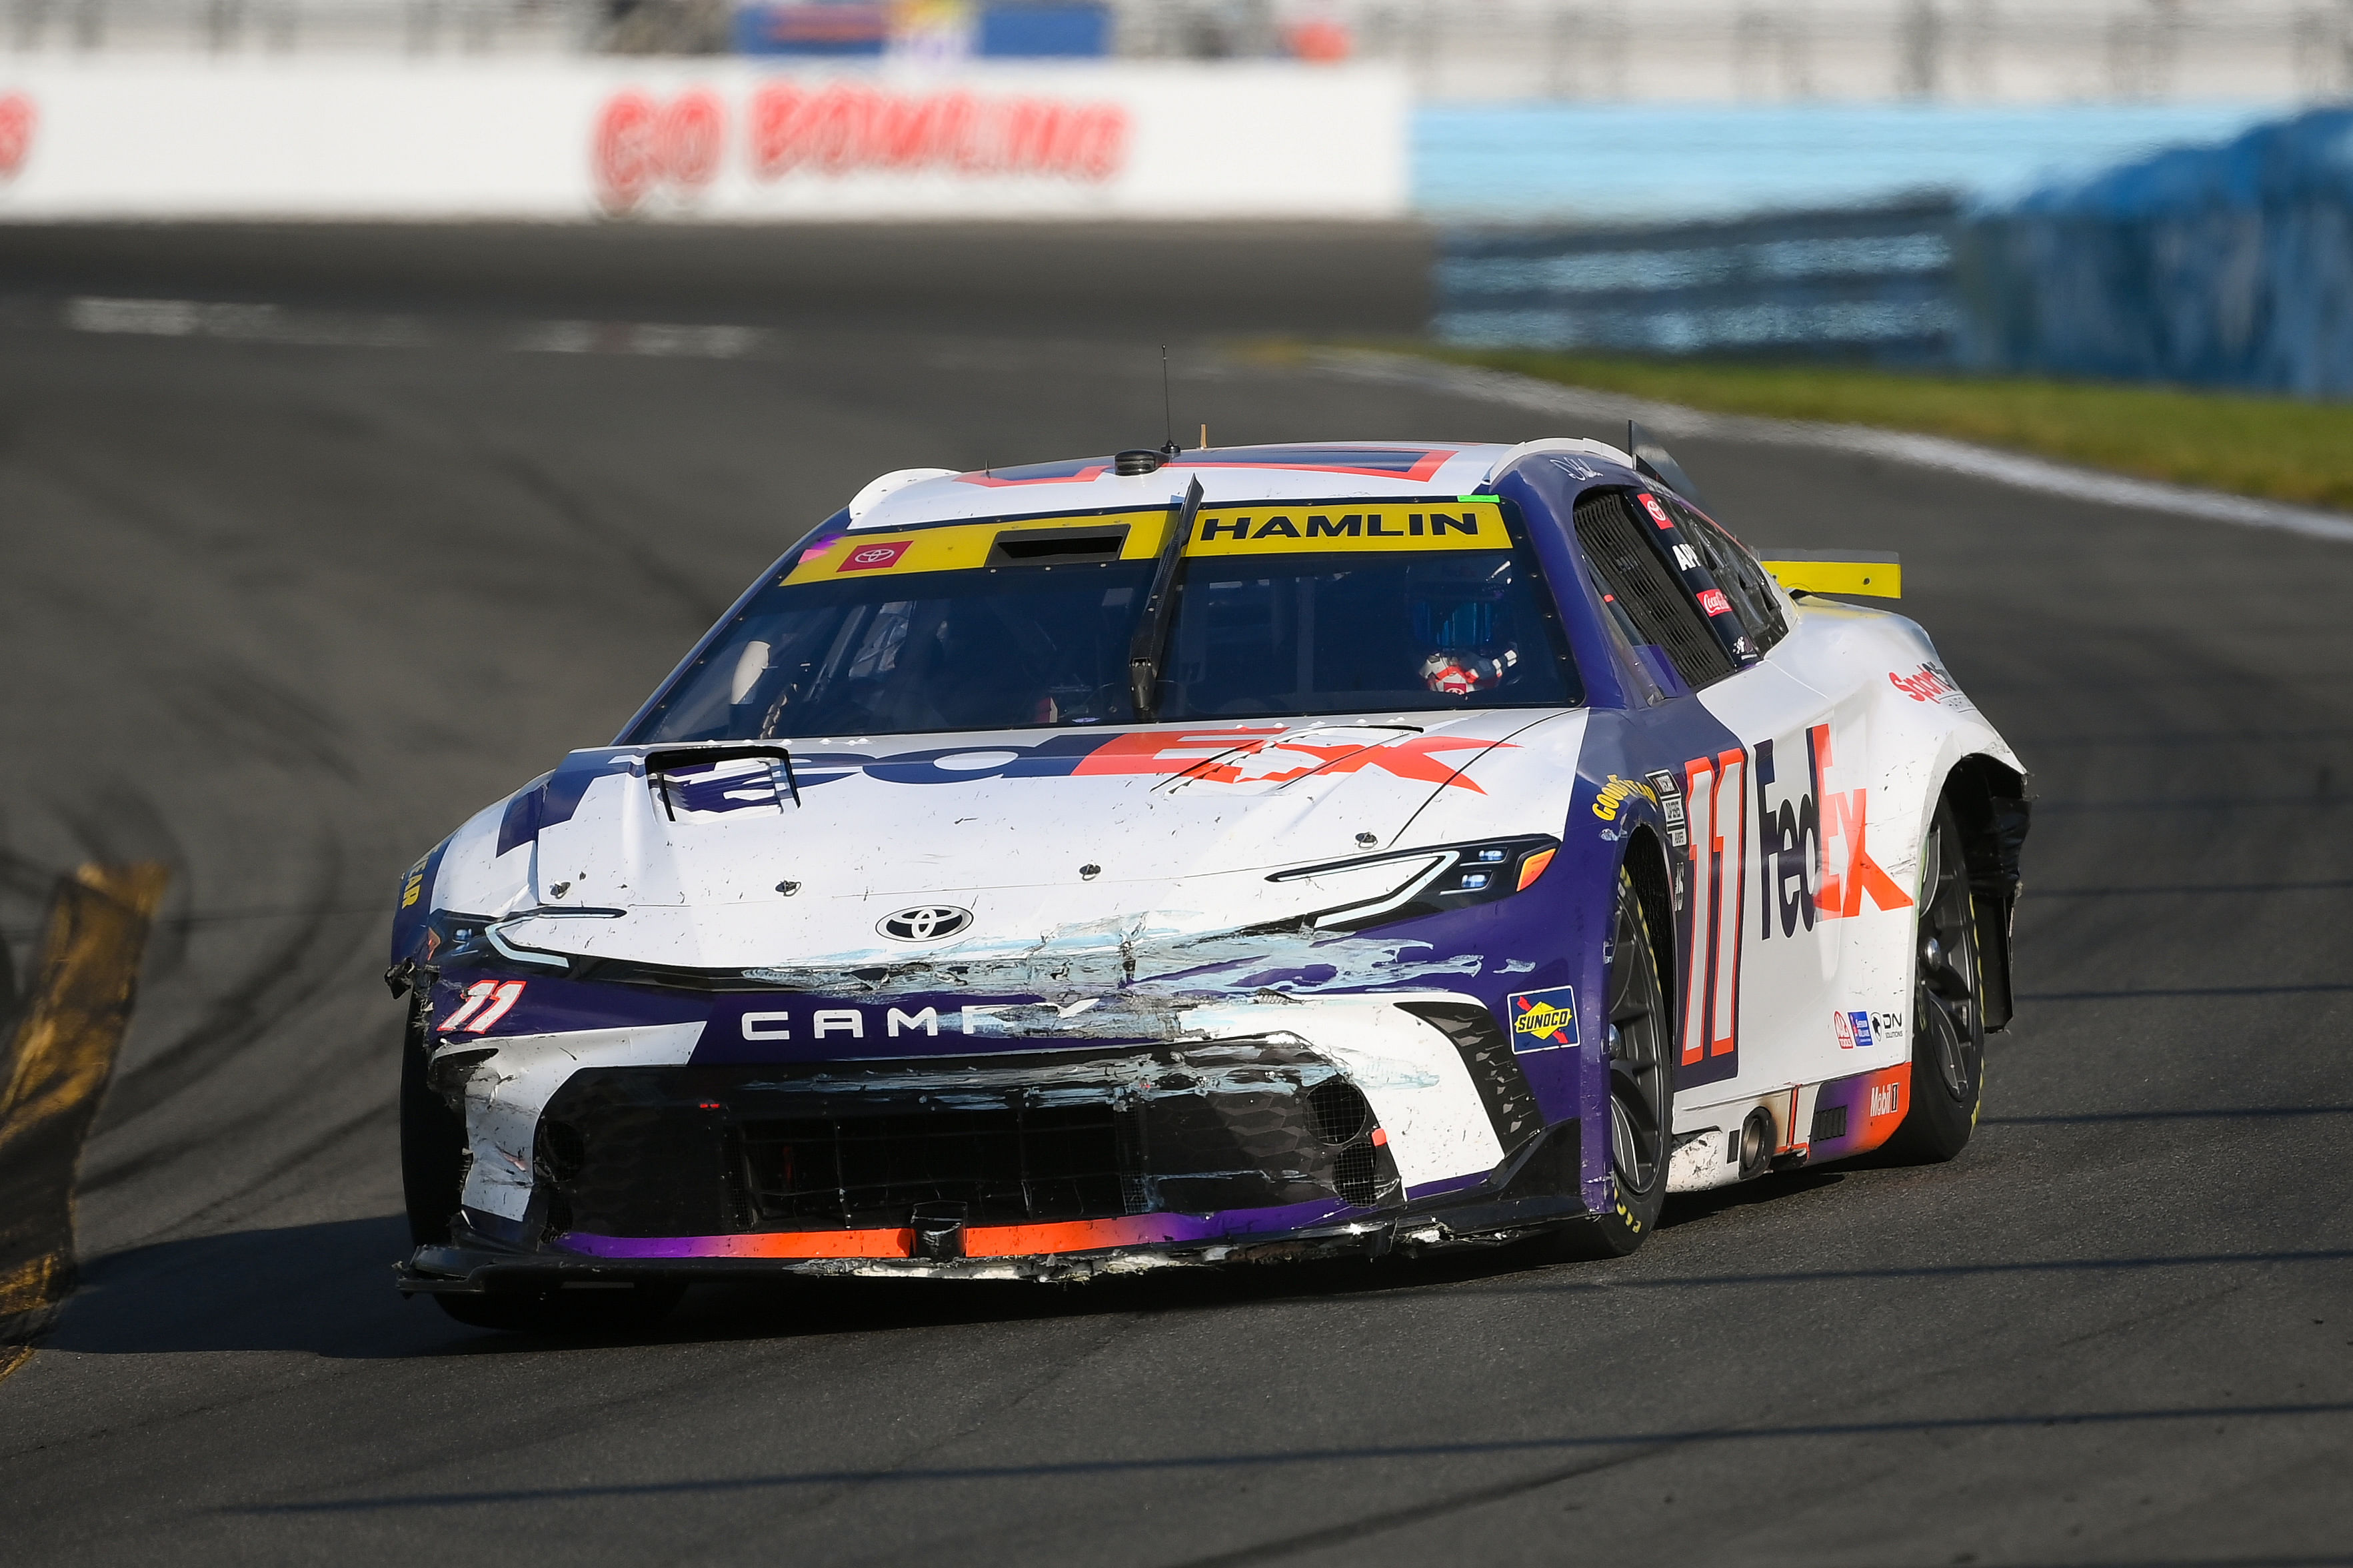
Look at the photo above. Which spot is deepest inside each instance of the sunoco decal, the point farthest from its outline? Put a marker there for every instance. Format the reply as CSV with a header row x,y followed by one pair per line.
x,y
1543,1020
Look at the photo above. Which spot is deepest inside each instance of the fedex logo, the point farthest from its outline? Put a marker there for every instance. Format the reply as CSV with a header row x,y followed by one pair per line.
x,y
1813,851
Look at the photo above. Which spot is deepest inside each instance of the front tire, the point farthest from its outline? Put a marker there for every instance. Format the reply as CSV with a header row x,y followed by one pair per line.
x,y
1948,1007
1641,1090
432,1141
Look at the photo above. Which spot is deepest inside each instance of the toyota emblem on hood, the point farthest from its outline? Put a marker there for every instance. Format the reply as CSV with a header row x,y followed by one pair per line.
x,y
926,923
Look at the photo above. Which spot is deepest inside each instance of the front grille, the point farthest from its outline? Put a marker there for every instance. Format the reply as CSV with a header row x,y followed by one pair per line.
x,y
1039,1136
1006,1164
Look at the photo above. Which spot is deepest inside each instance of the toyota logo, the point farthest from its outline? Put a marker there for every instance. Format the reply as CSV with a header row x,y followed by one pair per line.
x,y
926,923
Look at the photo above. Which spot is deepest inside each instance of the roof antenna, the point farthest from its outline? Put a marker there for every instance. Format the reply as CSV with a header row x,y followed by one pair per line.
x,y
1168,447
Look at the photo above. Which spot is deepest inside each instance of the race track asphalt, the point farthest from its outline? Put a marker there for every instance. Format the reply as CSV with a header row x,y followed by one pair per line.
x,y
285,597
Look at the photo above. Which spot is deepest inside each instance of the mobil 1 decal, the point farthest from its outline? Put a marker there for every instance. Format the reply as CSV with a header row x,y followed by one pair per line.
x,y
1814,855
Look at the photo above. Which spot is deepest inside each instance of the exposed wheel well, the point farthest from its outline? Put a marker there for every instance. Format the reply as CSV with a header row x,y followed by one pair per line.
x,y
1646,864
1990,801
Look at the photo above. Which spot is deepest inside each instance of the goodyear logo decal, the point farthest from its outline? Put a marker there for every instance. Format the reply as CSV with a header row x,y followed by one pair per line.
x,y
1544,1020
1616,793
1286,530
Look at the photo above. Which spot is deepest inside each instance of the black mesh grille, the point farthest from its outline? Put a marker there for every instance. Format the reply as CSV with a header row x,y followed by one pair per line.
x,y
1358,1174
1336,1111
1036,1136
1830,1121
1631,571
1006,1164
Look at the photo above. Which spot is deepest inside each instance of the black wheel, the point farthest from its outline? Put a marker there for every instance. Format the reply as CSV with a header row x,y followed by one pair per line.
x,y
1641,1090
1948,1007
636,1310
432,1141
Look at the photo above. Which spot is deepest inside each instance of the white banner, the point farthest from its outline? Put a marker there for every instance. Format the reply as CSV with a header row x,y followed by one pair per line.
x,y
733,141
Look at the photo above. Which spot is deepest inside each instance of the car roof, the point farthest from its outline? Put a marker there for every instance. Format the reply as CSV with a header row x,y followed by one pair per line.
x,y
1320,471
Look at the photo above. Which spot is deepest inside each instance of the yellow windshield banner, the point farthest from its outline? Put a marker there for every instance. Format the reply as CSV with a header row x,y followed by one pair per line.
x,y
1321,527
963,546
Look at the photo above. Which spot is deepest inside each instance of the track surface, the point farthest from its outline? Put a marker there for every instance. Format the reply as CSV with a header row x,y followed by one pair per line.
x,y
281,616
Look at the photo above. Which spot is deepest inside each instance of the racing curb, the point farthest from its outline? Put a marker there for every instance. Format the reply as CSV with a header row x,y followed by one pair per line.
x,y
54,1069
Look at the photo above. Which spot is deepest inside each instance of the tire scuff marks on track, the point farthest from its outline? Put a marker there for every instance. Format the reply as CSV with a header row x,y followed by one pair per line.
x,y
57,1066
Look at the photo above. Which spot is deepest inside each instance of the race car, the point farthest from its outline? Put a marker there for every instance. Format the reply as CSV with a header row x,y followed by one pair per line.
x,y
1204,856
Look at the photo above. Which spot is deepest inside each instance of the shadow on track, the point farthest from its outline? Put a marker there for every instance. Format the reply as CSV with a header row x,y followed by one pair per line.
x,y
326,1289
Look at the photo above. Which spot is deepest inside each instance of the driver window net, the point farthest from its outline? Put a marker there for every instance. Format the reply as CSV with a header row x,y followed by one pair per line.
x,y
1631,572
1736,573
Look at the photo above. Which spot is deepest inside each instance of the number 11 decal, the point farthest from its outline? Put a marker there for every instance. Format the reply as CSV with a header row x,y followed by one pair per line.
x,y
1715,789
474,1018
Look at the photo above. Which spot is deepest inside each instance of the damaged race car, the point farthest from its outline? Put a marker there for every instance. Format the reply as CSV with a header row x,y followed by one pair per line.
x,y
1189,857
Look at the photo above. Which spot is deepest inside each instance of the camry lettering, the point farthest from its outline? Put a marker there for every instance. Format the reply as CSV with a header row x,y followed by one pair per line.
x,y
928,1020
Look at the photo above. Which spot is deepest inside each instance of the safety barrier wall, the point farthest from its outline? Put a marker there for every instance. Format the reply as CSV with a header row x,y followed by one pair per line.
x,y
2228,265
1875,283
123,137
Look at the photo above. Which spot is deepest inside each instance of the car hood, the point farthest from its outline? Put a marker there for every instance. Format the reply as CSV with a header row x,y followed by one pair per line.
x,y
720,857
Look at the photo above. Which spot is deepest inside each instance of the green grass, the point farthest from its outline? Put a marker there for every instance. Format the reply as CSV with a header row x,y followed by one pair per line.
x,y
2276,447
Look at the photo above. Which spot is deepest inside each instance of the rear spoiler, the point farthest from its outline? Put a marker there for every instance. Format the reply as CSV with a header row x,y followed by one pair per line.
x,y
1868,573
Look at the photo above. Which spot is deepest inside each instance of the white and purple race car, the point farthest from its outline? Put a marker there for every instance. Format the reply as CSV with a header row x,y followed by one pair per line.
x,y
1201,856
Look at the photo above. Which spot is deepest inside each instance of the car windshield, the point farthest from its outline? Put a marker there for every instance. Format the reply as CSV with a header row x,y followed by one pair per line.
x,y
861,639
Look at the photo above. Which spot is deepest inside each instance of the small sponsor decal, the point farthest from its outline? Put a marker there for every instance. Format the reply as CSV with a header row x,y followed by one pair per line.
x,y
1658,513
1855,1030
1886,1099
874,557
414,890
1544,1020
1618,791
1713,601
1930,683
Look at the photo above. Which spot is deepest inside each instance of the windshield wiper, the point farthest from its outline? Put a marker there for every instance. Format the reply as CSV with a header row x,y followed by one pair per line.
x,y
1144,653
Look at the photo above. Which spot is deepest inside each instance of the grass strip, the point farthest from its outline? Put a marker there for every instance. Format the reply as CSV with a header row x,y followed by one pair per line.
x,y
2280,448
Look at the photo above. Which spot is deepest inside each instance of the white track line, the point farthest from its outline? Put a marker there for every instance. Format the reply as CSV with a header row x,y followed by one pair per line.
x,y
1923,451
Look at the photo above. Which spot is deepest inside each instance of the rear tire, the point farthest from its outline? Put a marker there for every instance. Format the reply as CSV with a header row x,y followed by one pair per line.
x,y
1948,1007
1641,1090
432,1141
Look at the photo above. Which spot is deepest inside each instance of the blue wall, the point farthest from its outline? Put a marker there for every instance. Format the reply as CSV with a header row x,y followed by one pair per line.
x,y
2228,265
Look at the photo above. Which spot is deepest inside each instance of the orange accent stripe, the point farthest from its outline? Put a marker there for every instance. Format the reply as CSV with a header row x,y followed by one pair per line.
x,y
1073,1236
898,1243
1534,865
